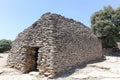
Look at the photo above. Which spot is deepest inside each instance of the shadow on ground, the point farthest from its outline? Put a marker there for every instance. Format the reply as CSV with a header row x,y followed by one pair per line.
x,y
1,57
74,69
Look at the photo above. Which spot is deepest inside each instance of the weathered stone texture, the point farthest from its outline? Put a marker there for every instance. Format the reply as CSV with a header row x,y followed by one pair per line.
x,y
60,44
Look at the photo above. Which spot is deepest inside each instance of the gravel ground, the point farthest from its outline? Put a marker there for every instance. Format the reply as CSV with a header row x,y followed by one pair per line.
x,y
108,69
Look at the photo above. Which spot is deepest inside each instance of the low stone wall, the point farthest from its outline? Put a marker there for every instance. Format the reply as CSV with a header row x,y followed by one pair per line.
x,y
107,51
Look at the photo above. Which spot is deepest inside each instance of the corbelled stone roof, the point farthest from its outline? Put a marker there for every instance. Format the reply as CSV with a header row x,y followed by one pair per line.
x,y
60,44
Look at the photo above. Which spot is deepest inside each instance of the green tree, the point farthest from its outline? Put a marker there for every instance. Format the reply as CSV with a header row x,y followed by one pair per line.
x,y
104,24
5,45
116,18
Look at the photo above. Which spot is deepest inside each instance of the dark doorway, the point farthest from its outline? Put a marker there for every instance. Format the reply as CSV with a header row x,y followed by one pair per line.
x,y
36,58
31,59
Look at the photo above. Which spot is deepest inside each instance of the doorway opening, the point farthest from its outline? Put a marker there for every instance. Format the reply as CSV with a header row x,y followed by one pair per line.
x,y
36,58
32,58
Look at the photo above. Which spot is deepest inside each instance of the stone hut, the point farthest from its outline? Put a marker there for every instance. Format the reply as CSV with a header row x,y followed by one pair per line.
x,y
53,45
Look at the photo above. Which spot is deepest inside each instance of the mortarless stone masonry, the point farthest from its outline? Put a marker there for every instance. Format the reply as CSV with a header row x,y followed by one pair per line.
x,y
53,45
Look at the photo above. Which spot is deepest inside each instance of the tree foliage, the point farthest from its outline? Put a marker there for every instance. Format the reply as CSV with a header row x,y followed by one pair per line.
x,y
105,24
5,45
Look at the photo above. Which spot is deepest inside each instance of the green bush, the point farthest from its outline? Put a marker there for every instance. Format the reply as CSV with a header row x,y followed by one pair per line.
x,y
5,45
105,24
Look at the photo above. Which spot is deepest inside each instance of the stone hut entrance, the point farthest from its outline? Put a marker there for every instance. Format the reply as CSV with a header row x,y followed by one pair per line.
x,y
32,58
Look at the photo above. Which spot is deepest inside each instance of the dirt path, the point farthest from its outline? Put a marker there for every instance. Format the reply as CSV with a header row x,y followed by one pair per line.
x,y
106,70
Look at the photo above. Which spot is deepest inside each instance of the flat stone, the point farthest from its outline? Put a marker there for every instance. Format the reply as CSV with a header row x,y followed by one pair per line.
x,y
46,73
34,73
1,71
80,76
50,76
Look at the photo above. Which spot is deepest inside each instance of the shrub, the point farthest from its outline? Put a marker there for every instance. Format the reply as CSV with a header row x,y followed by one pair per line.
x,y
5,45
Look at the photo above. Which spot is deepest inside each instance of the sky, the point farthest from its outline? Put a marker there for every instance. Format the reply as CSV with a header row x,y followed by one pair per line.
x,y
16,15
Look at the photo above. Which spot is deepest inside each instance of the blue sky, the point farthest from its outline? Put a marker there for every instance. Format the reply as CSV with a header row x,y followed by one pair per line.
x,y
16,15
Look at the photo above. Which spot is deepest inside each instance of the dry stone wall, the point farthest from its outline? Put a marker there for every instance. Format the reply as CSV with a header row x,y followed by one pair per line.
x,y
61,44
